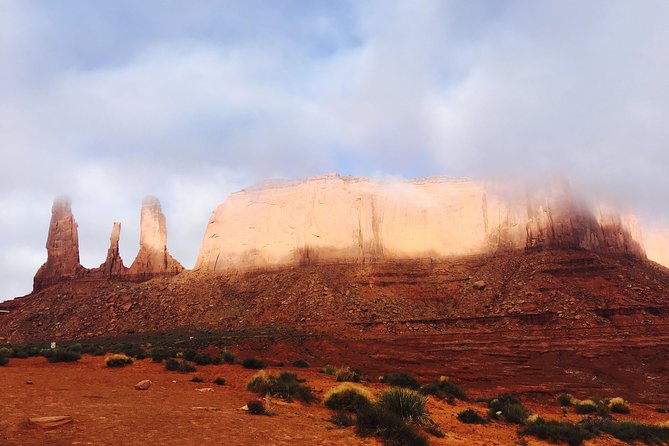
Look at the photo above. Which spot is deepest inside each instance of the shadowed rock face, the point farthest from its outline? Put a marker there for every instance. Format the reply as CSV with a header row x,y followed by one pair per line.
x,y
62,246
333,218
153,257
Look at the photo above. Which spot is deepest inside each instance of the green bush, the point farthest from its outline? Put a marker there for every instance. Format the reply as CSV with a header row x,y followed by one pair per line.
x,y
285,386
470,416
408,404
196,379
256,407
175,365
301,364
592,405
61,355
219,381
117,360
347,397
202,359
6,352
401,380
558,431
346,374
389,426
627,431
444,388
565,400
189,354
253,363
329,370
508,408
3,361
159,354
229,358
342,418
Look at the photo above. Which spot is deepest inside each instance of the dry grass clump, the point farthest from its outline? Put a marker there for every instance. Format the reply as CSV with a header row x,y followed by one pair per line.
x,y
347,397
117,360
619,405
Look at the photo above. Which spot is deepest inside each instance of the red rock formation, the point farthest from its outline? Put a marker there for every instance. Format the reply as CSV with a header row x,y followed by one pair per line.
x,y
153,258
113,265
62,247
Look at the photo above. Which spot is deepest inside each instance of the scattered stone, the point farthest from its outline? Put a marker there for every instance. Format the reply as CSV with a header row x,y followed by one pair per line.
x,y
51,422
205,389
479,285
143,385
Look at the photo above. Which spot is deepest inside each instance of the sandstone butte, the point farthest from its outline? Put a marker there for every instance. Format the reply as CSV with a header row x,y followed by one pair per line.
x,y
332,218
338,219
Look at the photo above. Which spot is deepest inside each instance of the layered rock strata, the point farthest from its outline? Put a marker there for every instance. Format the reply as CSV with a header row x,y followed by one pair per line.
x,y
332,218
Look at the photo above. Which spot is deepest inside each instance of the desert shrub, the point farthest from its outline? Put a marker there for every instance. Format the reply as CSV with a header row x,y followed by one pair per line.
x,y
256,407
134,350
619,405
508,408
342,418
159,354
286,386
390,427
346,374
61,355
3,361
229,358
557,431
301,364
401,380
176,365
329,370
253,363
408,404
202,359
627,431
585,407
565,400
219,381
26,351
189,354
117,360
196,379
6,352
444,388
470,416
347,397
74,347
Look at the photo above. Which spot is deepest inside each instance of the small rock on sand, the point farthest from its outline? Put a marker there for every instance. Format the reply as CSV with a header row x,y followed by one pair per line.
x,y
143,385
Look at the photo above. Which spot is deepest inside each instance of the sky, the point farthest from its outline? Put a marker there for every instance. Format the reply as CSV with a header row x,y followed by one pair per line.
x,y
108,102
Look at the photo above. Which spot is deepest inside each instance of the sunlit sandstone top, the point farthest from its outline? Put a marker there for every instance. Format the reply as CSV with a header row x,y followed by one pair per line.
x,y
334,218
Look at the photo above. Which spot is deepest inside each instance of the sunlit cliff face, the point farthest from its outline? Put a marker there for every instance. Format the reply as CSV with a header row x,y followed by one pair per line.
x,y
656,243
335,218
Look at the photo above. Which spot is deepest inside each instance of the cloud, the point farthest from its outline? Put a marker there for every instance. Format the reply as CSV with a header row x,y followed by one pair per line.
x,y
109,103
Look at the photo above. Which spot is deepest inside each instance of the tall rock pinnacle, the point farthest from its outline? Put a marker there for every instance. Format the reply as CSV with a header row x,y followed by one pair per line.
x,y
113,266
153,257
62,247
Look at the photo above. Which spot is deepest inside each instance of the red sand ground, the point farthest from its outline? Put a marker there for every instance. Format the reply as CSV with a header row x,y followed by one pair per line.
x,y
108,411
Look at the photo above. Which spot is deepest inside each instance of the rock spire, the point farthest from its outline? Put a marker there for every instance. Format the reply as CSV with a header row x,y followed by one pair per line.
x,y
153,258
62,246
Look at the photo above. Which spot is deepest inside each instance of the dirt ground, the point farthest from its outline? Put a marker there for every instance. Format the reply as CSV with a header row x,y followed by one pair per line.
x,y
107,410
